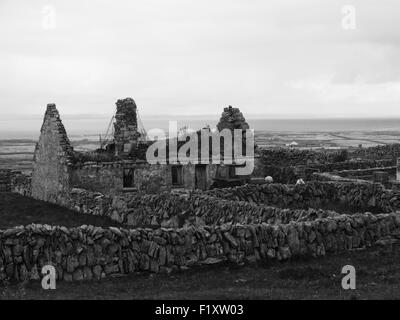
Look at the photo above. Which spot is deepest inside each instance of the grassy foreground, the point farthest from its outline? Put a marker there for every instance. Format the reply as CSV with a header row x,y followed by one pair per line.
x,y
377,274
18,210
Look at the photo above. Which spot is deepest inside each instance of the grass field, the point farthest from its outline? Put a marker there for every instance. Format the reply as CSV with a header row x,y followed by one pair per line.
x,y
377,277
18,210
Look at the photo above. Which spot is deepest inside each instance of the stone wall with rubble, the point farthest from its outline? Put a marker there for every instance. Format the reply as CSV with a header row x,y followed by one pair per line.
x,y
88,252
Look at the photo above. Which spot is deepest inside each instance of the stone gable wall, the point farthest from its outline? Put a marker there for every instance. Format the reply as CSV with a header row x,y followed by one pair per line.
x,y
53,154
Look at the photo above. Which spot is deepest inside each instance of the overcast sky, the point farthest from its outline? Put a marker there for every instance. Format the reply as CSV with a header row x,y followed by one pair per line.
x,y
274,57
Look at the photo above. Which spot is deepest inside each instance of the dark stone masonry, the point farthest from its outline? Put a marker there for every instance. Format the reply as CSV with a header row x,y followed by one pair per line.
x,y
5,180
126,126
88,252
232,119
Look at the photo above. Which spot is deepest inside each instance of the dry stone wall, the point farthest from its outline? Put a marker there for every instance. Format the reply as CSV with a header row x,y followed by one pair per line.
x,y
89,252
177,210
272,203
88,202
357,196
15,181
368,172
5,180
21,183
285,157
290,174
391,151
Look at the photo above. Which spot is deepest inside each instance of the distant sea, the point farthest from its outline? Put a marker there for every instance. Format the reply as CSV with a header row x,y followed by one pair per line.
x,y
79,128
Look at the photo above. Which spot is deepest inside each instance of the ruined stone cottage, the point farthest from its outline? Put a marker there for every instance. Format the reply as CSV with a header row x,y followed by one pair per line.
x,y
117,167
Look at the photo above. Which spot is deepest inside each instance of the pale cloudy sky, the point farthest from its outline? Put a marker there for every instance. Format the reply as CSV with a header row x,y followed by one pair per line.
x,y
277,57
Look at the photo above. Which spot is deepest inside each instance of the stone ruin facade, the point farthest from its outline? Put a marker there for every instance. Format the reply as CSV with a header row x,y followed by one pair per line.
x,y
118,168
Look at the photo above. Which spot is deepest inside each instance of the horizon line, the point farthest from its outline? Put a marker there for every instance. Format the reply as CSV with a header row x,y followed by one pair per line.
x,y
250,116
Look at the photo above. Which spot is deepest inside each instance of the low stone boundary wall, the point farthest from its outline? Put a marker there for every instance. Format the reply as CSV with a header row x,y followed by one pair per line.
x,y
21,183
272,203
244,204
379,152
366,172
358,196
5,180
15,181
168,210
294,157
290,174
178,210
89,202
89,252
326,176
